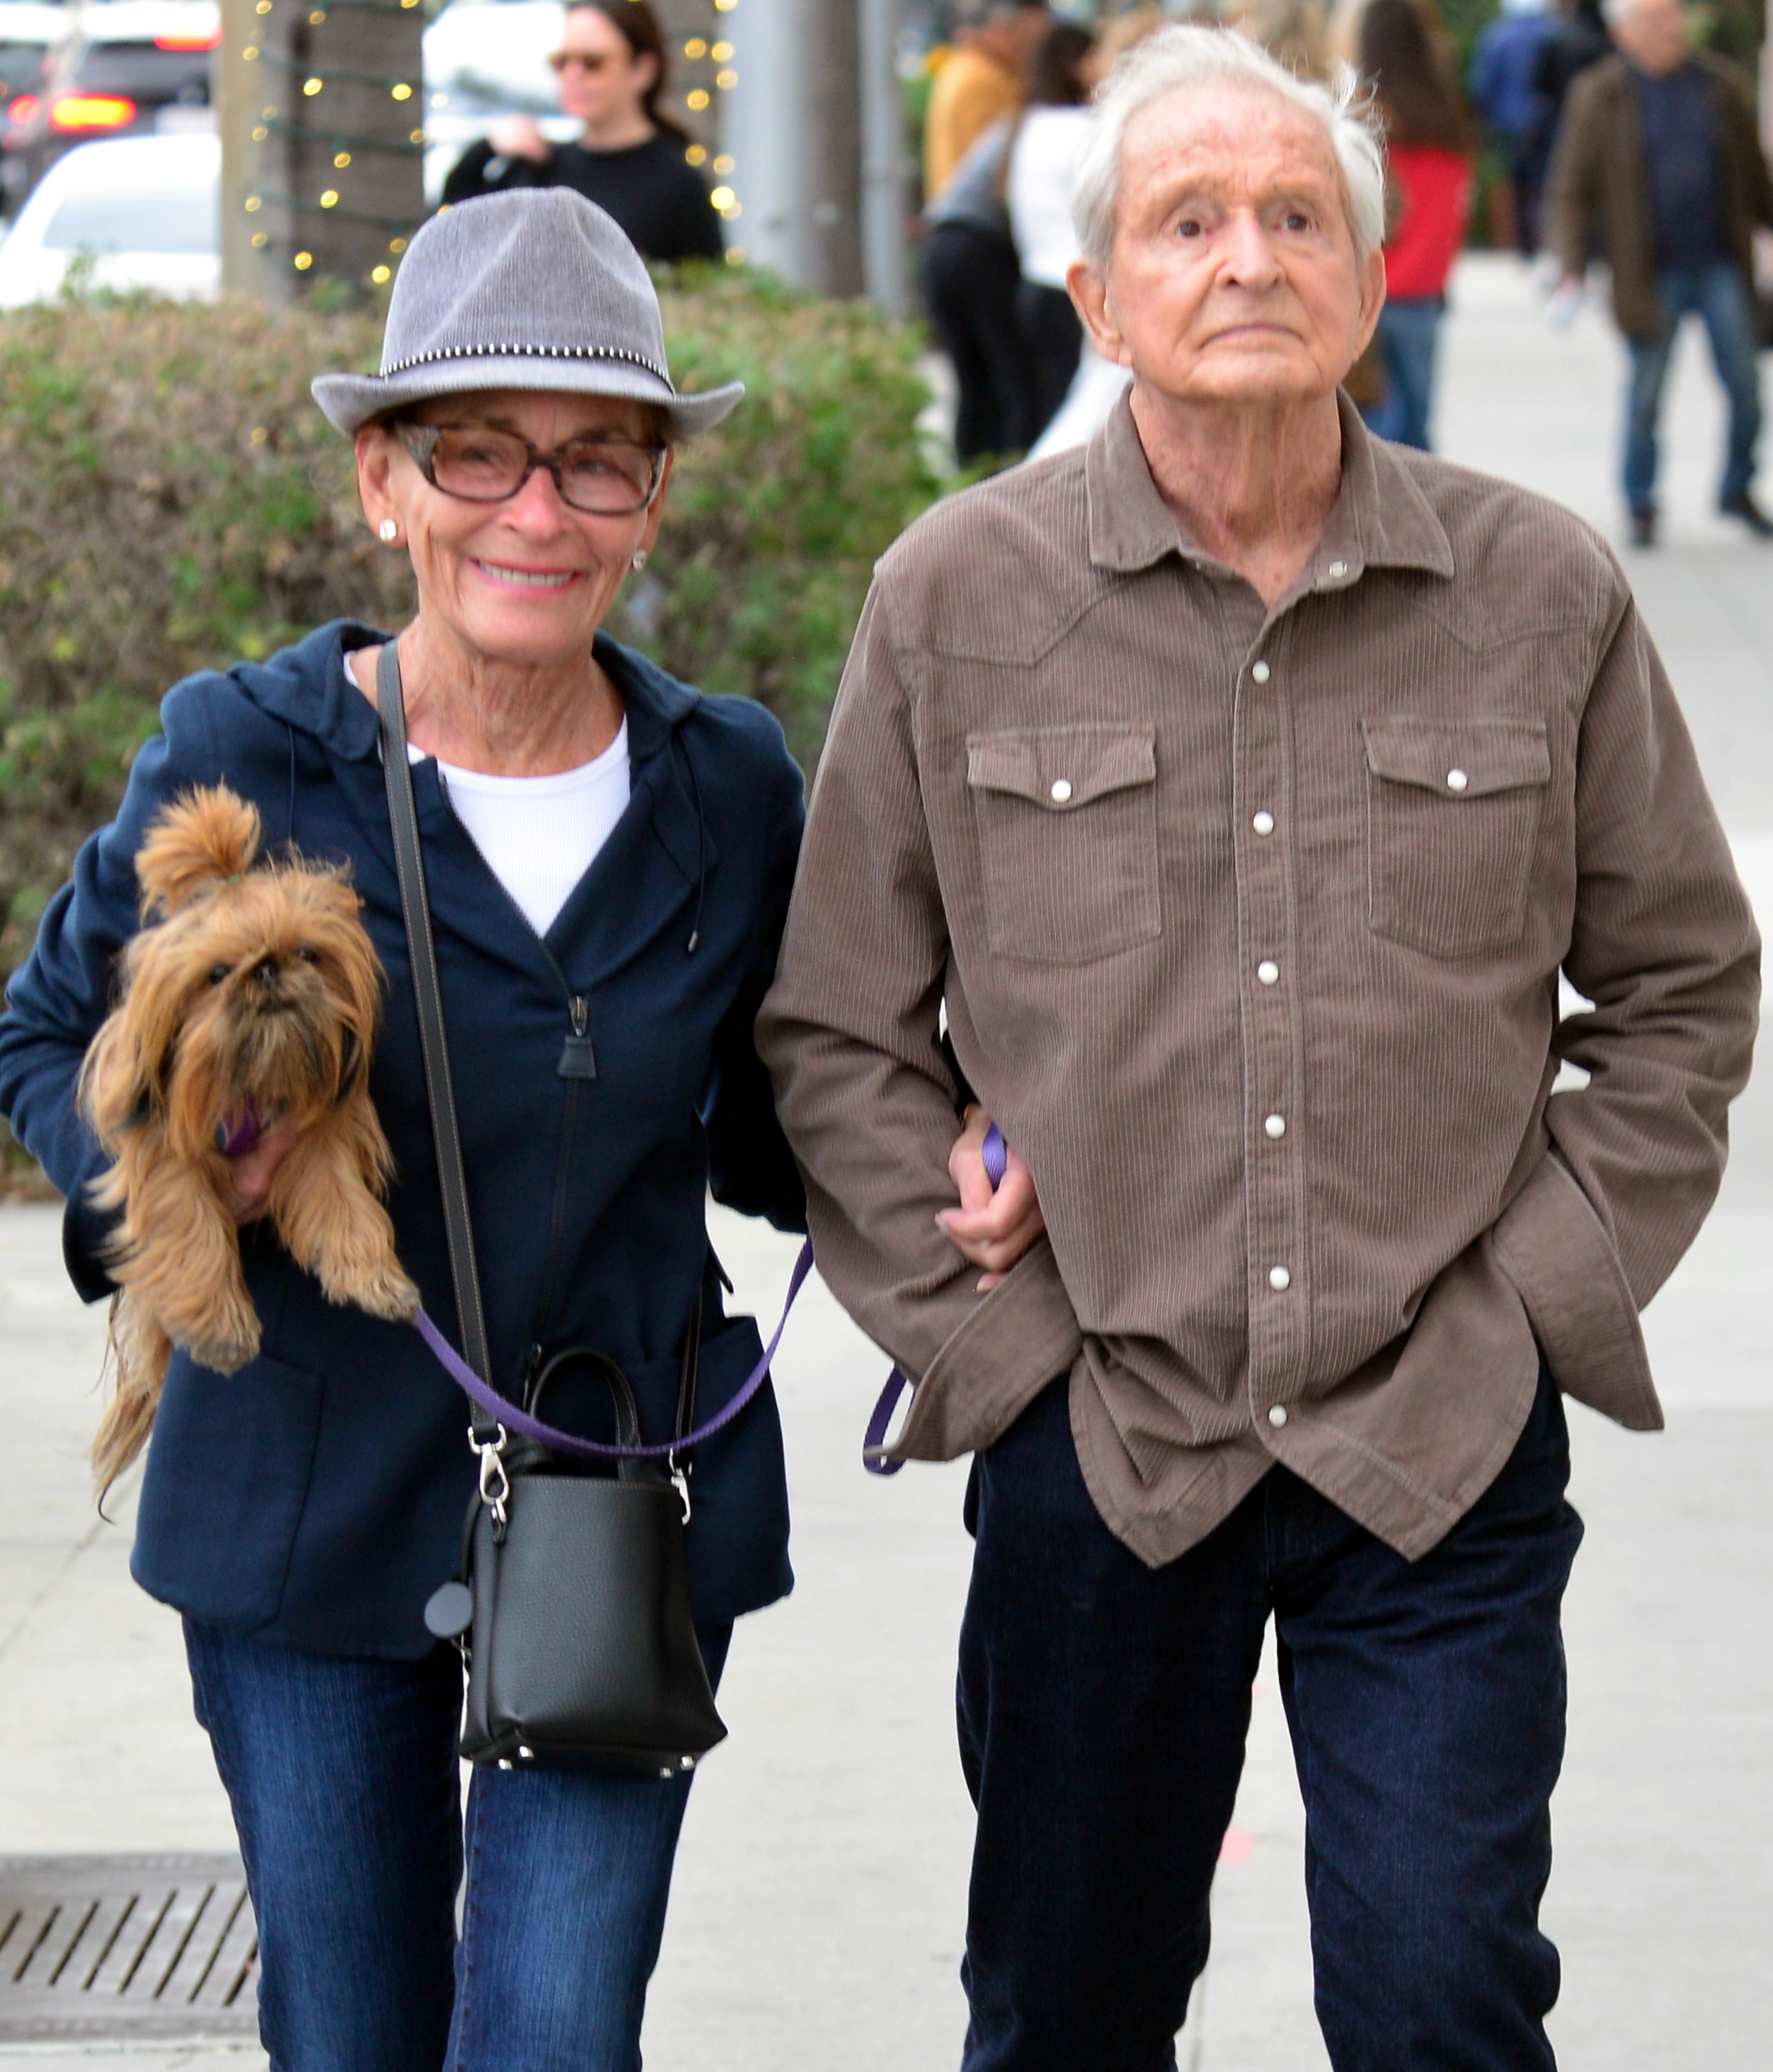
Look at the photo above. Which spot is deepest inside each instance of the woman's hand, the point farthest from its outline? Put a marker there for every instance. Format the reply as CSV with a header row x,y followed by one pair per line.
x,y
516,136
252,1172
993,1230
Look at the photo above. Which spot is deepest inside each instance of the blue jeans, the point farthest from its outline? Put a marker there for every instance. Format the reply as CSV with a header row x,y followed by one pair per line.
x,y
1717,296
1103,1708
345,1787
1408,333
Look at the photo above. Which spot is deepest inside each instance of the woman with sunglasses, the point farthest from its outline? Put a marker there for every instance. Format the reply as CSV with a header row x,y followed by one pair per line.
x,y
608,856
630,157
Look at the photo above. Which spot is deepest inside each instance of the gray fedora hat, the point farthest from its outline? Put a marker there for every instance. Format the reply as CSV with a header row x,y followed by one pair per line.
x,y
534,289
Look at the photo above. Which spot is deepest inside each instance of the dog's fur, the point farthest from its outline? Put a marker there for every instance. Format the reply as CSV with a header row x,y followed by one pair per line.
x,y
251,990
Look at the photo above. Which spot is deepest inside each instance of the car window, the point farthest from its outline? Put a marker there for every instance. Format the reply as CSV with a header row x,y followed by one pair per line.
x,y
141,70
21,68
144,219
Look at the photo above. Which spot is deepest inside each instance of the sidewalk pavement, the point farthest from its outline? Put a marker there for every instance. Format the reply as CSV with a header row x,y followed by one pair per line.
x,y
820,1903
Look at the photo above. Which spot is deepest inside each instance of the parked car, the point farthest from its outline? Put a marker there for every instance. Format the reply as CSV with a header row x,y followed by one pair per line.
x,y
485,58
137,212
132,68
30,34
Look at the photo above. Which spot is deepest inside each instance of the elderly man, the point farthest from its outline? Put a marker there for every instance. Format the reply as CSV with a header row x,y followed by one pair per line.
x,y
1242,784
1658,146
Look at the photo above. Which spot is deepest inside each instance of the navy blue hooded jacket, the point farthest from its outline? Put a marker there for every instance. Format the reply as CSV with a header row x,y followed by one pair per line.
x,y
317,1497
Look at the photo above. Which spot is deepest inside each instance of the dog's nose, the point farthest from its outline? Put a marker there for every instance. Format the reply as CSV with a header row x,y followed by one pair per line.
x,y
267,975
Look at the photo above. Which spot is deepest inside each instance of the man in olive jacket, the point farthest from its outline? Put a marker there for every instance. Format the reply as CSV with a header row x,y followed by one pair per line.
x,y
1658,147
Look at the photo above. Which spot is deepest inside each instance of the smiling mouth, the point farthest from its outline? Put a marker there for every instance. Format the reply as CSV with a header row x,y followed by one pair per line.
x,y
528,579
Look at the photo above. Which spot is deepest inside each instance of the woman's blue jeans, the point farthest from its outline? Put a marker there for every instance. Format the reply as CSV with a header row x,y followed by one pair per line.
x,y
1102,1711
345,1786
1716,295
1410,331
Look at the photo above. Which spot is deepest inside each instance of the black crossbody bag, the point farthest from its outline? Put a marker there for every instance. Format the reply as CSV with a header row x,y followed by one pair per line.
x,y
573,1608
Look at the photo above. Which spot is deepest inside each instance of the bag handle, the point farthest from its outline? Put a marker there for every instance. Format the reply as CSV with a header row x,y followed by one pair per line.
x,y
495,1416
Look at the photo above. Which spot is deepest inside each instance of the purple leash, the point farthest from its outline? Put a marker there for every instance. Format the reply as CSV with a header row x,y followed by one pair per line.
x,y
996,1155
526,1427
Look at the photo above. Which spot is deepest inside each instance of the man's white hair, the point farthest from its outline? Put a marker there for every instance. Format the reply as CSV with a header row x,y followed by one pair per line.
x,y
1194,60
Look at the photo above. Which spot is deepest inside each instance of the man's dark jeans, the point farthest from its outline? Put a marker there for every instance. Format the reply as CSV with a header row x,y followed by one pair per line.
x,y
1103,1708
1718,297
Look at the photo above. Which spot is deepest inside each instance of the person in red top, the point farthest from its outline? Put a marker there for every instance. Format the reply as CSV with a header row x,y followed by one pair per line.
x,y
1429,143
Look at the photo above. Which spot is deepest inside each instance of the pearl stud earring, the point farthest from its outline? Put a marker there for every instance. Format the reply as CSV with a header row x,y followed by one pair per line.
x,y
639,560
388,530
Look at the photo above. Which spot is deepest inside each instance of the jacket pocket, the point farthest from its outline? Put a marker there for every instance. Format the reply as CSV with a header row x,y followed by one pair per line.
x,y
227,1483
1454,809
1067,826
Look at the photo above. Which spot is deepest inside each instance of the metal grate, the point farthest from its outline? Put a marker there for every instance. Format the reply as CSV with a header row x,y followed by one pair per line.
x,y
126,1946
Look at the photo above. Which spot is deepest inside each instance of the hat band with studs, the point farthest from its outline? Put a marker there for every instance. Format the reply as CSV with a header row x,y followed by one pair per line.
x,y
528,353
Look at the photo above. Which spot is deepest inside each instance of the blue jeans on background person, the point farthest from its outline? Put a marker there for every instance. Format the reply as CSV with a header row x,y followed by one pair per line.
x,y
1717,296
1408,332
346,1789
1103,1708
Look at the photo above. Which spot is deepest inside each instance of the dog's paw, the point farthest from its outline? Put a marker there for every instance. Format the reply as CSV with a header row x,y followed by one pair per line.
x,y
226,1353
384,1290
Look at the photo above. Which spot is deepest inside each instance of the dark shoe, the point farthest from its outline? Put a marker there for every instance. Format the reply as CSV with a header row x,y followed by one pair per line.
x,y
1644,527
1744,506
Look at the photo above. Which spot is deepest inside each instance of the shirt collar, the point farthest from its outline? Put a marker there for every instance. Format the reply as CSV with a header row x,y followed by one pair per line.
x,y
1380,518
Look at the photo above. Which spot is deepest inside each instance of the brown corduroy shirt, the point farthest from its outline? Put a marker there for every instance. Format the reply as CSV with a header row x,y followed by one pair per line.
x,y
1248,923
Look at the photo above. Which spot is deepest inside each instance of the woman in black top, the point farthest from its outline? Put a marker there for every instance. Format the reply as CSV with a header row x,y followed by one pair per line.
x,y
629,158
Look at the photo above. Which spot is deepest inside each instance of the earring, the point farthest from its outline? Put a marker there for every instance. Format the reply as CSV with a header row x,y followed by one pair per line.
x,y
388,531
639,560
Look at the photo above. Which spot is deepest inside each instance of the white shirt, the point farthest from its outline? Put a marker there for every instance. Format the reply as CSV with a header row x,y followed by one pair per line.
x,y
540,835
1044,163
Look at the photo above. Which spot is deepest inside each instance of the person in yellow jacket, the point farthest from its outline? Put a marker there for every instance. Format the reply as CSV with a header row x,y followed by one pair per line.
x,y
979,84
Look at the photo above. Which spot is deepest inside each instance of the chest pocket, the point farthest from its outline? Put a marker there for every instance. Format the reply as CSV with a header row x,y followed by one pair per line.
x,y
1454,809
1067,825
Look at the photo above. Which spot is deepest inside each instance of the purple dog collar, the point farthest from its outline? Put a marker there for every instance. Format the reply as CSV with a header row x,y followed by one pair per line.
x,y
996,1154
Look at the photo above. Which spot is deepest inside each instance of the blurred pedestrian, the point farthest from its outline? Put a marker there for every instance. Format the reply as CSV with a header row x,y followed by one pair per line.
x,y
1659,149
630,156
1429,148
979,84
1580,39
1044,153
1241,785
1503,84
971,278
1296,33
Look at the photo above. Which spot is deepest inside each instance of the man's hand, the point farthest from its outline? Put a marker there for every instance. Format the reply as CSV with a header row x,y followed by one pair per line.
x,y
253,1171
516,136
993,1229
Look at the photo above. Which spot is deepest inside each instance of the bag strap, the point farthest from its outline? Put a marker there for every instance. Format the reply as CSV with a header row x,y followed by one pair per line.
x,y
473,1374
422,951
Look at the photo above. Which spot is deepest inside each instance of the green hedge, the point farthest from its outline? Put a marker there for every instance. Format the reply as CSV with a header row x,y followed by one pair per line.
x,y
171,500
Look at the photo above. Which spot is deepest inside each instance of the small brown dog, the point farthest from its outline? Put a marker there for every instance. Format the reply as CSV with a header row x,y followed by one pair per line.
x,y
251,998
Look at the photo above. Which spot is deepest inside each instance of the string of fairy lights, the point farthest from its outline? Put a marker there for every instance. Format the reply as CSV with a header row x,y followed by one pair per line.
x,y
720,54
311,78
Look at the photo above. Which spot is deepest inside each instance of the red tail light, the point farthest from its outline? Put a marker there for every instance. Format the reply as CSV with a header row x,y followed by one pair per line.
x,y
207,42
23,109
91,111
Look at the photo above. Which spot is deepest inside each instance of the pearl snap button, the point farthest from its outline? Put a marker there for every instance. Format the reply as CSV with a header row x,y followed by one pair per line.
x,y
1277,1416
1275,1125
1062,791
1278,1278
1268,971
1457,780
1261,672
1339,568
1264,823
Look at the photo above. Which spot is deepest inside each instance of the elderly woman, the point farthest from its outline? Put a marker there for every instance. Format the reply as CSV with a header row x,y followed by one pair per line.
x,y
609,856
1242,784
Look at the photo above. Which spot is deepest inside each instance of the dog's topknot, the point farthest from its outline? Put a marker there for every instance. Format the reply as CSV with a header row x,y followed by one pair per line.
x,y
205,838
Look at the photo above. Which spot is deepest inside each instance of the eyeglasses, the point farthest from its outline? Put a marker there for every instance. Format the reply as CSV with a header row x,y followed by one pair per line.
x,y
590,61
609,478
